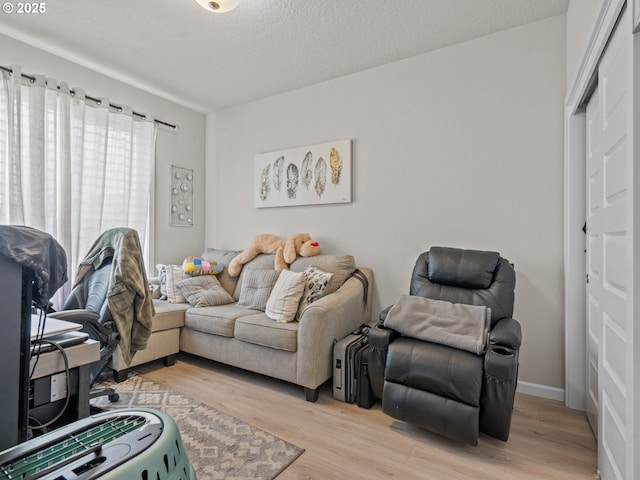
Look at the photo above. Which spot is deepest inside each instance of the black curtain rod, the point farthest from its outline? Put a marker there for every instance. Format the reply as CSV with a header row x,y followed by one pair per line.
x,y
96,100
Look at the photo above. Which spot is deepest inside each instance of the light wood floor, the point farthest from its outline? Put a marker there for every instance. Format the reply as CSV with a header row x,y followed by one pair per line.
x,y
547,441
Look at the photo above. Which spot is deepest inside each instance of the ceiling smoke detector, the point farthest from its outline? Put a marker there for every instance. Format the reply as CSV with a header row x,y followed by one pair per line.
x,y
219,6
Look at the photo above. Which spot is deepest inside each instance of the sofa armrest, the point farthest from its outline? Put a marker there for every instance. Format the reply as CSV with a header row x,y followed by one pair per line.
x,y
330,318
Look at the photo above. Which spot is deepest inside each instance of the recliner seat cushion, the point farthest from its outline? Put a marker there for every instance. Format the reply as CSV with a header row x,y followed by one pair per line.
x,y
441,370
444,416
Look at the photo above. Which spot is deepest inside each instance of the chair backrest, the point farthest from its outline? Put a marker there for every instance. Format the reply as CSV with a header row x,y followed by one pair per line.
x,y
91,293
471,277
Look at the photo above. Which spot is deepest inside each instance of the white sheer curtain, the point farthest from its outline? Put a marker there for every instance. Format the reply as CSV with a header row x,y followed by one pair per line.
x,y
70,167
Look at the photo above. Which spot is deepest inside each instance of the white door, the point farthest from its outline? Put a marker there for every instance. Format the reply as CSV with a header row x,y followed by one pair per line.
x,y
610,257
594,255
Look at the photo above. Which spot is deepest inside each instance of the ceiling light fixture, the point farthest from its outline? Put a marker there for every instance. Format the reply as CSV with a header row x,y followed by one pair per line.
x,y
218,6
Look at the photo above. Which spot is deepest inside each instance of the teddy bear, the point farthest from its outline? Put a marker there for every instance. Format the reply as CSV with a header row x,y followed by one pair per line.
x,y
285,250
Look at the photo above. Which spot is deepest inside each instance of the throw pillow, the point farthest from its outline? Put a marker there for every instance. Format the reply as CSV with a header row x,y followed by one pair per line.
x,y
317,285
162,280
199,266
174,275
282,304
256,288
203,291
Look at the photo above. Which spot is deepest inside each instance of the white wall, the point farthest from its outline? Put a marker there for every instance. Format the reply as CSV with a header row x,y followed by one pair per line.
x,y
184,147
459,147
580,16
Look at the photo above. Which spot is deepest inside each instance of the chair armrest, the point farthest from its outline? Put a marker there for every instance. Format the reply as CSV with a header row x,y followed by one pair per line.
x,y
379,340
381,337
384,313
79,315
506,333
89,319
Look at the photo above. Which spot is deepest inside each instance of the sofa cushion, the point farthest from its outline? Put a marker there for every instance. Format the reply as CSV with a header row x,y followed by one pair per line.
x,y
283,302
261,330
256,288
342,266
168,315
263,261
317,285
218,320
169,275
222,258
203,291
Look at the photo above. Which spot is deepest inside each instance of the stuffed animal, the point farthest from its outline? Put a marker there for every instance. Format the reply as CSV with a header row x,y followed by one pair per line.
x,y
284,250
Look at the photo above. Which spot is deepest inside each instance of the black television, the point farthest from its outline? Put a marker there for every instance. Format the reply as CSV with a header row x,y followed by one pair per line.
x,y
33,266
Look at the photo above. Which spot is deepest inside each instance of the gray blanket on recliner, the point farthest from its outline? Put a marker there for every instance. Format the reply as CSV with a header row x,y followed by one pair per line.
x,y
457,325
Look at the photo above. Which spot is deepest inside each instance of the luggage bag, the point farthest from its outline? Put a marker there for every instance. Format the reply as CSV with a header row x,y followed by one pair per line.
x,y
344,363
364,393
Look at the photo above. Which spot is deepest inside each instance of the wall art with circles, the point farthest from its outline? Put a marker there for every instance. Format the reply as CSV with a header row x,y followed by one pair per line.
x,y
181,197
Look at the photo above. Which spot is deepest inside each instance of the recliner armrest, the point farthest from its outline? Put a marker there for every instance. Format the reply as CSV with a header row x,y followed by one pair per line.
x,y
507,333
379,340
383,314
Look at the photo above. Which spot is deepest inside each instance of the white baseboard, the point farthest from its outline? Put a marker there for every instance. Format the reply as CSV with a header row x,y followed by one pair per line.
x,y
544,391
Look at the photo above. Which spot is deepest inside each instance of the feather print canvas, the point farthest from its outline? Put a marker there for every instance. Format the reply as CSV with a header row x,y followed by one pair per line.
x,y
265,185
305,170
309,175
321,176
278,170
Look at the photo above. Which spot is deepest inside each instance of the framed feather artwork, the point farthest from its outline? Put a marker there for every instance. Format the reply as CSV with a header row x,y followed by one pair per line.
x,y
311,175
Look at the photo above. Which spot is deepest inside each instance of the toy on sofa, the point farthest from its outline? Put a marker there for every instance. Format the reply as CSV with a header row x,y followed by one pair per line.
x,y
285,250
199,266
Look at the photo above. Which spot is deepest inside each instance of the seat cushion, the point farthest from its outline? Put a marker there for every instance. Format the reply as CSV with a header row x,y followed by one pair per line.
x,y
218,320
261,330
444,371
455,420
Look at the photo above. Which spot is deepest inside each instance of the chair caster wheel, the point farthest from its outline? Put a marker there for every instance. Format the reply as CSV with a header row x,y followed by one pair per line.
x,y
114,397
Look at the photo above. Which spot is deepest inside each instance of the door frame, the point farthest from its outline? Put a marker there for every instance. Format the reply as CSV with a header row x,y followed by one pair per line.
x,y
578,93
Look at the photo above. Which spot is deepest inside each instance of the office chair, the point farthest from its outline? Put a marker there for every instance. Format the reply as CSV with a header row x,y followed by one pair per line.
x,y
87,305
111,299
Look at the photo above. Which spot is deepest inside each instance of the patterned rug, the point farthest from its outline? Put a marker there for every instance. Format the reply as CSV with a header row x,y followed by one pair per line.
x,y
219,446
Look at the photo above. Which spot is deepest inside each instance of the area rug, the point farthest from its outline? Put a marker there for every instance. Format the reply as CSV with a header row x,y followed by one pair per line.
x,y
219,446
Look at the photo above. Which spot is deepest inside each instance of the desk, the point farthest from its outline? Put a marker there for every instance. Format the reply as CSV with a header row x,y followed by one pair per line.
x,y
47,391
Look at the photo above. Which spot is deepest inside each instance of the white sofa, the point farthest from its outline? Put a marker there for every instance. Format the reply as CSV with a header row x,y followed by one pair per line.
x,y
299,352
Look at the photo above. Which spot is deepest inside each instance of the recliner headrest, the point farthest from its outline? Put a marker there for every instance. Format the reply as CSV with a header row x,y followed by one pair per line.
x,y
462,268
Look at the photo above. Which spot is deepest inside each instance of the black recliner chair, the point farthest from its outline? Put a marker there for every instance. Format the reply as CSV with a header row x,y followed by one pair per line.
x,y
447,390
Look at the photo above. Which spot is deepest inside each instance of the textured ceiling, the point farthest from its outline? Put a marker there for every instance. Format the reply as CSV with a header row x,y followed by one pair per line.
x,y
209,61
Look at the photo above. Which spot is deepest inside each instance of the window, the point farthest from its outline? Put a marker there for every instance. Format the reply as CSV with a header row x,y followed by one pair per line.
x,y
70,166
